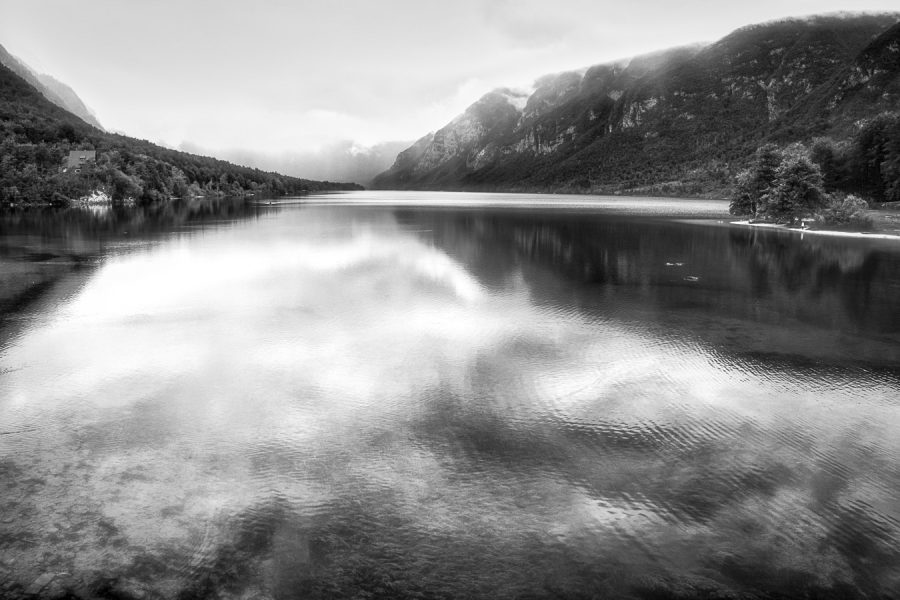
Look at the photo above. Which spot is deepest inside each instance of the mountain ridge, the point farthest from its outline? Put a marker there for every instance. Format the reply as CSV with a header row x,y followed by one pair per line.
x,y
70,99
36,135
679,121
51,88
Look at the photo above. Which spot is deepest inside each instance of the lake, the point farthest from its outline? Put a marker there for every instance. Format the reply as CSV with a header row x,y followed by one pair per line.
x,y
432,395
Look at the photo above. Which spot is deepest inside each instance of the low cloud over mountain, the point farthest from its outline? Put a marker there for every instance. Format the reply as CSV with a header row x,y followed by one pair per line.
x,y
682,121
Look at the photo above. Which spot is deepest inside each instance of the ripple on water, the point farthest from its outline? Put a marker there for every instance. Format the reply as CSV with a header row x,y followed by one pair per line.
x,y
347,403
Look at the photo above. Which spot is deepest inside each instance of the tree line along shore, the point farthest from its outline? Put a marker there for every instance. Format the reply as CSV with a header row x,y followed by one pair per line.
x,y
826,184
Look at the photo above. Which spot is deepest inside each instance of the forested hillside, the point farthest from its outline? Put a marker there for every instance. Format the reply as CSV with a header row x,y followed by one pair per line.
x,y
52,89
36,137
679,122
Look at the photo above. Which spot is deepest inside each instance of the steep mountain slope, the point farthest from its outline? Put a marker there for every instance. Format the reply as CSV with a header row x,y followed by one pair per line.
x,y
870,82
36,135
52,89
679,121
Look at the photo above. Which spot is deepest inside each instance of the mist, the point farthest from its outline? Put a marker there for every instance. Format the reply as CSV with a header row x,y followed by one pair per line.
x,y
344,161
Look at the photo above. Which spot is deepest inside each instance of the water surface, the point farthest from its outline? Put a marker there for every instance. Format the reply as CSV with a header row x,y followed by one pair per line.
x,y
439,395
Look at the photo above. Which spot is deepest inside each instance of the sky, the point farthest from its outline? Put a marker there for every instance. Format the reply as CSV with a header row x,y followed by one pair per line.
x,y
280,76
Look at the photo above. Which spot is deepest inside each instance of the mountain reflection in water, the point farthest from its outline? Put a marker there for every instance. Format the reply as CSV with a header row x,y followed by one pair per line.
x,y
341,401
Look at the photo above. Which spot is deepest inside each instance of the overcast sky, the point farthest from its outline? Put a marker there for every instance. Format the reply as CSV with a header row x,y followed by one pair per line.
x,y
282,76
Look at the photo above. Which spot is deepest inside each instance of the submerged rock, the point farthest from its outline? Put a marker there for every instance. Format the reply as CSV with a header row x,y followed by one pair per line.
x,y
38,585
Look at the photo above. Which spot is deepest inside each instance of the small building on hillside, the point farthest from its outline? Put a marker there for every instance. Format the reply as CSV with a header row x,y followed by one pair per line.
x,y
80,158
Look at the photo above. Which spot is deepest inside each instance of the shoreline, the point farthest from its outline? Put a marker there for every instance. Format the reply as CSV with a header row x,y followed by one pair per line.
x,y
634,206
692,209
887,221
873,235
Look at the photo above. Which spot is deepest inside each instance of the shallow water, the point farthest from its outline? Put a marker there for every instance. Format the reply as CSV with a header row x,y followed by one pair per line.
x,y
439,395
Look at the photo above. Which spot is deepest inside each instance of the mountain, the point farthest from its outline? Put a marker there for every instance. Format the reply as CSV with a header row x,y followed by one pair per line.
x,y
871,80
681,121
345,161
341,161
70,101
52,89
36,135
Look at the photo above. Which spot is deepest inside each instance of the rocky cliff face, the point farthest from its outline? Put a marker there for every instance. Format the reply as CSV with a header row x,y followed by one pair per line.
x,y
464,144
679,121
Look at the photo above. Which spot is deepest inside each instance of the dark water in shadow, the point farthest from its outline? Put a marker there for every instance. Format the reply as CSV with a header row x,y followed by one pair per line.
x,y
392,400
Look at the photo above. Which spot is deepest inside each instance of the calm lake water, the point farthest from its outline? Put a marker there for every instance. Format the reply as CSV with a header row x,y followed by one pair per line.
x,y
445,396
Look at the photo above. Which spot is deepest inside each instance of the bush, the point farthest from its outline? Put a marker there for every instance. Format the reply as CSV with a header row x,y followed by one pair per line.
x,y
849,213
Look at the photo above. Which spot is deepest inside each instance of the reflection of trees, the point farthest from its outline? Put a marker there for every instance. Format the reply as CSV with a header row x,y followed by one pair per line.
x,y
39,247
86,223
762,278
819,280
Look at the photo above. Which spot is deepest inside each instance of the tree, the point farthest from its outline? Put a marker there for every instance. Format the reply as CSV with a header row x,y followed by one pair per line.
x,y
878,156
67,132
797,190
744,198
890,165
755,183
123,186
832,158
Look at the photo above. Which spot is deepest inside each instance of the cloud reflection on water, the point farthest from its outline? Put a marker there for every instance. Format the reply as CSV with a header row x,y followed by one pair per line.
x,y
358,393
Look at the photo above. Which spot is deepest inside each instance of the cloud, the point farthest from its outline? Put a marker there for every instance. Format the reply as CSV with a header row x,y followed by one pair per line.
x,y
341,366
381,70
530,22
